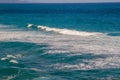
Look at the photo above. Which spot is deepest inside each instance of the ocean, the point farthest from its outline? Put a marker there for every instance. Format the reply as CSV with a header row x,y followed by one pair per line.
x,y
75,41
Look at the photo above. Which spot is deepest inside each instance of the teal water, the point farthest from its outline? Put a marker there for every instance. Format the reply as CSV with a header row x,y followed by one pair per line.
x,y
65,41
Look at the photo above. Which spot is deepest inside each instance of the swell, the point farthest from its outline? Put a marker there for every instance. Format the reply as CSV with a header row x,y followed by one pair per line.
x,y
60,55
64,31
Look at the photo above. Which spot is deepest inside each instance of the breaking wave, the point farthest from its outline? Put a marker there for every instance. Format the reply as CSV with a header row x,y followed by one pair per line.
x,y
67,31
70,45
28,51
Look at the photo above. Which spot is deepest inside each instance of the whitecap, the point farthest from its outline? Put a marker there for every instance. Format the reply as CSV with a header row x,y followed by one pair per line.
x,y
10,56
67,31
30,25
14,61
4,58
95,44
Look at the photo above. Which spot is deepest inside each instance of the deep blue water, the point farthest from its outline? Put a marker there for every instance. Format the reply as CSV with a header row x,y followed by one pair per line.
x,y
86,46
86,17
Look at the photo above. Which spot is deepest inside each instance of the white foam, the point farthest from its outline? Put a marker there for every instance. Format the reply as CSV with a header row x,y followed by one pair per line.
x,y
14,61
99,63
35,69
97,44
7,57
4,58
100,44
67,31
10,77
30,25
10,56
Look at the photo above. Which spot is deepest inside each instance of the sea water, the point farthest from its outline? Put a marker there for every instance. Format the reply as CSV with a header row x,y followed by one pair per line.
x,y
60,41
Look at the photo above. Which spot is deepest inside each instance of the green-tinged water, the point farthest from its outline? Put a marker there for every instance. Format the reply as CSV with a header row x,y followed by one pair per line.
x,y
60,41
35,64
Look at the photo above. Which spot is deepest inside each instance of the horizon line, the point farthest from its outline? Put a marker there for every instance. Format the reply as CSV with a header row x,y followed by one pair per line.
x,y
53,2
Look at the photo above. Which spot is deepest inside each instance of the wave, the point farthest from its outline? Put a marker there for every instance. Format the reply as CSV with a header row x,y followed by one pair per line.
x,y
102,45
31,25
97,44
11,59
96,63
67,31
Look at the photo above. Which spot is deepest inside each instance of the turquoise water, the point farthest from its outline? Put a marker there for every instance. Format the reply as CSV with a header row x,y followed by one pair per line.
x,y
60,41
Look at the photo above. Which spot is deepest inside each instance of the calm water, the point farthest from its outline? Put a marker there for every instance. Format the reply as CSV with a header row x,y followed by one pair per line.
x,y
65,42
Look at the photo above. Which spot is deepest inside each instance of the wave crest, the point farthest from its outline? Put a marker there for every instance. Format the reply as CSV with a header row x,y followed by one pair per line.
x,y
67,31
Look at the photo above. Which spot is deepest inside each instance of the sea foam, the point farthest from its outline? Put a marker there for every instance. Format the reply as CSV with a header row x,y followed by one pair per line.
x,y
67,31
10,58
71,44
